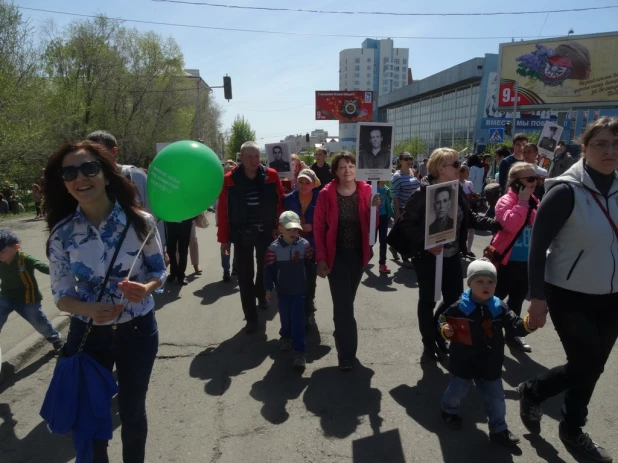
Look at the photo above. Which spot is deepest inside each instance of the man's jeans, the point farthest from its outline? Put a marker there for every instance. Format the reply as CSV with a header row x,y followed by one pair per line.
x,y
292,315
493,395
32,313
132,347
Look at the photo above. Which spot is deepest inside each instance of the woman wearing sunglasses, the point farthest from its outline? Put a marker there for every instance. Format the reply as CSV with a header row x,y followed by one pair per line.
x,y
89,205
515,211
443,166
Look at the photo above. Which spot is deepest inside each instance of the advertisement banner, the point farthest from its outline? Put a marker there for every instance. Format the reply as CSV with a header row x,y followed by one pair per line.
x,y
343,106
570,70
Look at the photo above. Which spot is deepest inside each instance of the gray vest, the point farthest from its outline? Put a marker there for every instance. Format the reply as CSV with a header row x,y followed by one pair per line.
x,y
583,257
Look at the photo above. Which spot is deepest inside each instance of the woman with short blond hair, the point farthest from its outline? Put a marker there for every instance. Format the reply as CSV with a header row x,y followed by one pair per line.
x,y
443,166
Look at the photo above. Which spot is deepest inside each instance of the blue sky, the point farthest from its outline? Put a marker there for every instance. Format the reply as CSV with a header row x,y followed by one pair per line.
x,y
275,76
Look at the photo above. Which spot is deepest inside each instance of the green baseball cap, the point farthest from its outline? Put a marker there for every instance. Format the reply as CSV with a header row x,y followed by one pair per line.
x,y
290,220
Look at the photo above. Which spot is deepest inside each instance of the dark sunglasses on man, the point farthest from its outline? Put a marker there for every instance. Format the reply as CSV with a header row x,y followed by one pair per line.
x,y
89,169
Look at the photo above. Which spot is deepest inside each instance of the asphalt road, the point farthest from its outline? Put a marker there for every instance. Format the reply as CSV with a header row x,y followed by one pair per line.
x,y
219,395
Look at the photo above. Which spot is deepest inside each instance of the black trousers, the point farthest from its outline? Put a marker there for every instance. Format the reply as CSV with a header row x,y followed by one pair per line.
x,y
344,278
452,288
310,296
588,326
513,282
250,282
178,239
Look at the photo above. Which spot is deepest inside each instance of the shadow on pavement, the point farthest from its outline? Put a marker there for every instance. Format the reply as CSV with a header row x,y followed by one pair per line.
x,y
381,281
281,383
39,445
341,399
422,403
385,446
405,276
11,379
216,290
218,365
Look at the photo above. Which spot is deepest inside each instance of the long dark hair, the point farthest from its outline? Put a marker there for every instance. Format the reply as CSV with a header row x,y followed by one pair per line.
x,y
474,161
60,205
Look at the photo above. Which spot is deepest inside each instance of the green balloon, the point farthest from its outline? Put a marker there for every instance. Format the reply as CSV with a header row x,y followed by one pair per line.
x,y
184,180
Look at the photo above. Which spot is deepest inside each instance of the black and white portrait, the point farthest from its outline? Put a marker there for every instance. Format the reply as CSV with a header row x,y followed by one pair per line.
x,y
441,213
374,151
278,158
548,141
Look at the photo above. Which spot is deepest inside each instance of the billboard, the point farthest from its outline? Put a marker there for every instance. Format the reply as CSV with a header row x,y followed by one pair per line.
x,y
343,106
570,70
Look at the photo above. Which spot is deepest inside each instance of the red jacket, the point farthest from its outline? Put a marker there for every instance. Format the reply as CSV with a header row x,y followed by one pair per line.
x,y
231,210
326,221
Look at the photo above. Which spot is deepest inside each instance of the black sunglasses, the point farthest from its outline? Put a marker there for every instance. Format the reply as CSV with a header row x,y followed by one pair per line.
x,y
406,159
89,169
455,164
529,179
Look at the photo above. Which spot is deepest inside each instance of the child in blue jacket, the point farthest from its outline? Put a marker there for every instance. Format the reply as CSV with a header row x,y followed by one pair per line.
x,y
287,265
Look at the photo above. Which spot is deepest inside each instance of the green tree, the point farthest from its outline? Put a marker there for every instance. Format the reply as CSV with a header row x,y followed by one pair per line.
x,y
414,146
239,133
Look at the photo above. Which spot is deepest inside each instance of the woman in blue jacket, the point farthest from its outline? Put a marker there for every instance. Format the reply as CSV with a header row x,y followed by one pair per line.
x,y
302,201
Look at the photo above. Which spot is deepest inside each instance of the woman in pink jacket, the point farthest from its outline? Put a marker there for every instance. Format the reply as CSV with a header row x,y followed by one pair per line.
x,y
341,232
516,211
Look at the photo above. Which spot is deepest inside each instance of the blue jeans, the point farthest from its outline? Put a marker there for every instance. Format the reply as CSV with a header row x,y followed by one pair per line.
x,y
132,347
493,394
292,315
32,313
225,260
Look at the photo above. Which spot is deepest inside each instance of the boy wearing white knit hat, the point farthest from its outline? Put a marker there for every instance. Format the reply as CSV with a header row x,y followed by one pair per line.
x,y
474,325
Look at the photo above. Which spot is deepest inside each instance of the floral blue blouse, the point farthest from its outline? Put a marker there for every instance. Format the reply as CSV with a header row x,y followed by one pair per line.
x,y
79,255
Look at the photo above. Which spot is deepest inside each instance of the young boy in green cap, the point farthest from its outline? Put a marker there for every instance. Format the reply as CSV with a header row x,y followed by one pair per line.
x,y
19,290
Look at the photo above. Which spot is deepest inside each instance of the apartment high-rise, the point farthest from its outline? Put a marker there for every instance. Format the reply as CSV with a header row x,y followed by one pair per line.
x,y
377,66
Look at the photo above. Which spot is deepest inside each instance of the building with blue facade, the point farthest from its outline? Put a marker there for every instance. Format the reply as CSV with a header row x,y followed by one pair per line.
x,y
459,106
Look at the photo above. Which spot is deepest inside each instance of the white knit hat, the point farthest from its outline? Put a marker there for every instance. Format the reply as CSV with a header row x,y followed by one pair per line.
x,y
481,267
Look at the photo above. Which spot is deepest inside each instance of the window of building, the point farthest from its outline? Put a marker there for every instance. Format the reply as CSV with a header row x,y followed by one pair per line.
x,y
357,75
369,68
357,60
368,74
385,89
368,82
396,68
404,77
386,60
369,60
356,88
396,60
395,84
404,61
385,68
357,82
357,68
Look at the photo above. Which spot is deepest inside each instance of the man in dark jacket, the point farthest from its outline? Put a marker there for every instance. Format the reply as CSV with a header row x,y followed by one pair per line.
x,y
249,206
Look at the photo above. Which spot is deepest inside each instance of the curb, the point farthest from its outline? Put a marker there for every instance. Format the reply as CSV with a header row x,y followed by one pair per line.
x,y
15,359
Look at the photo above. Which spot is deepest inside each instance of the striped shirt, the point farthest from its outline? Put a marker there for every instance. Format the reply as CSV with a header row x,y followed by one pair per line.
x,y
402,187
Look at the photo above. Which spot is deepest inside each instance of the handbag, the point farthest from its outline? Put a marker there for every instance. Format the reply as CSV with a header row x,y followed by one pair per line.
x,y
398,241
495,257
201,221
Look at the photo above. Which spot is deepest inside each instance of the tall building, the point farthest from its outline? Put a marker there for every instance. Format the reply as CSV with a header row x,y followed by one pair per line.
x,y
377,66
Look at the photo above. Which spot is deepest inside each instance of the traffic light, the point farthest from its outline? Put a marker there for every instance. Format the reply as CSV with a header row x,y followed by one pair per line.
x,y
307,138
227,87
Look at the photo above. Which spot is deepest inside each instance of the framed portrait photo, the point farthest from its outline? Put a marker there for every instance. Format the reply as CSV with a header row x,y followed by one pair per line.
x,y
374,151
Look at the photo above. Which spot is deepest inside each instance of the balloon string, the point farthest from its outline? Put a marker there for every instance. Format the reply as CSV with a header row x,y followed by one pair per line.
x,y
136,256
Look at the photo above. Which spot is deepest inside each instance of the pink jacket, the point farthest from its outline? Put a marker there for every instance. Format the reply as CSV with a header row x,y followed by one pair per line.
x,y
511,213
326,221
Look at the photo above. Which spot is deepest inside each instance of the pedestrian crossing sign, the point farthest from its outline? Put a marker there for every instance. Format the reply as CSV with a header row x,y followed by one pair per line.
x,y
496,135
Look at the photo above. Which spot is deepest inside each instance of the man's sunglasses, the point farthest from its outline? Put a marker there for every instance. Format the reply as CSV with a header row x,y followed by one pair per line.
x,y
529,179
455,164
89,169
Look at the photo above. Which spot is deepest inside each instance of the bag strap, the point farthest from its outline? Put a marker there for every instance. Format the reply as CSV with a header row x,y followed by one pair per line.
x,y
607,216
105,280
514,240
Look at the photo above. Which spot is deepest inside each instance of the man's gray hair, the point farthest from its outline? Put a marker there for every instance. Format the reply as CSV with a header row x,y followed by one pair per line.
x,y
249,145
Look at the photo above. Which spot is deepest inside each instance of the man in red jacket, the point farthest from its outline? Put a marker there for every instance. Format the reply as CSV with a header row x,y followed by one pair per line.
x,y
249,206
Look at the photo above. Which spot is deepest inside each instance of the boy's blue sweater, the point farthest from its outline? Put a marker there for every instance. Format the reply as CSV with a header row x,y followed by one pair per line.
x,y
286,266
